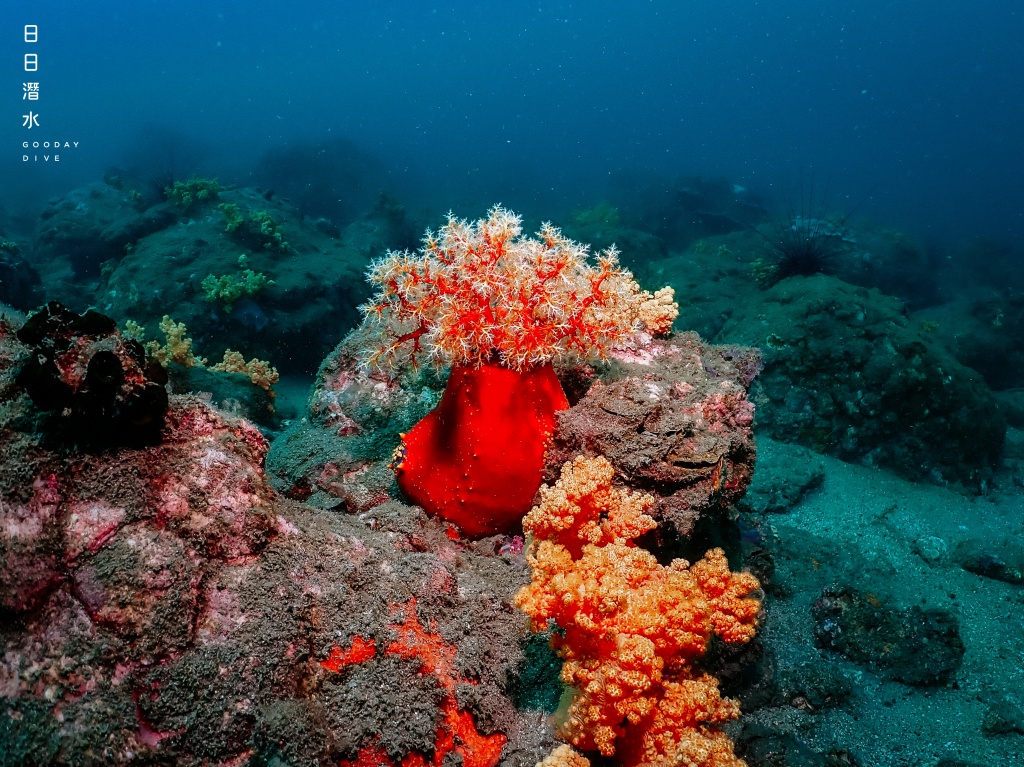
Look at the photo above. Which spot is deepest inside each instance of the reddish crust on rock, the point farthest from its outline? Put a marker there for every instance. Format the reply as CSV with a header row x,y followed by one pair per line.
x,y
476,460
457,730
361,651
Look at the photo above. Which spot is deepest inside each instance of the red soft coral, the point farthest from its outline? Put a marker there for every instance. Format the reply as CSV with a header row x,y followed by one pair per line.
x,y
497,307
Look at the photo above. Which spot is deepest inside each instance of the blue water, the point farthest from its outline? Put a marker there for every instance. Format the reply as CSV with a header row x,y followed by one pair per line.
x,y
911,110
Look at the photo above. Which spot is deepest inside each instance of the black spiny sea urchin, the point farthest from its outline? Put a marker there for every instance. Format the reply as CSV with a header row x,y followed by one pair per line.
x,y
804,243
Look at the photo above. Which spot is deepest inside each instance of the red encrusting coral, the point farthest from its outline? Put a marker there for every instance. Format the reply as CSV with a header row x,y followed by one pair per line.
x,y
361,650
457,730
498,308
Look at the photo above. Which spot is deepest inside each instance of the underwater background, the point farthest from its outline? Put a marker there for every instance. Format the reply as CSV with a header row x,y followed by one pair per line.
x,y
205,555
914,108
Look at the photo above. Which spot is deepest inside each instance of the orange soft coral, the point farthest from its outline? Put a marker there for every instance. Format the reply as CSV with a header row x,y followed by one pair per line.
x,y
499,308
632,627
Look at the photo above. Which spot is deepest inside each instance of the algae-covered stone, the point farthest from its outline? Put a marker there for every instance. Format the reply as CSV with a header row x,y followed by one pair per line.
x,y
848,373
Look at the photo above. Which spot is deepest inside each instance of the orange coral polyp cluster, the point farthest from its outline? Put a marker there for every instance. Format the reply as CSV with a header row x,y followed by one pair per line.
x,y
632,627
482,293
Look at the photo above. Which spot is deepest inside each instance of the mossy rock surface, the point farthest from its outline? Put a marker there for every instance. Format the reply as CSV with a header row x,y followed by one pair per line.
x,y
848,373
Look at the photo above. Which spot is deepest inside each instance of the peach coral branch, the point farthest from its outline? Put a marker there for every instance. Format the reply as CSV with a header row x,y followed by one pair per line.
x,y
482,292
632,627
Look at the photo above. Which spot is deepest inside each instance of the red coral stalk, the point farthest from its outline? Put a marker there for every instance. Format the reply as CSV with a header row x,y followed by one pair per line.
x,y
477,458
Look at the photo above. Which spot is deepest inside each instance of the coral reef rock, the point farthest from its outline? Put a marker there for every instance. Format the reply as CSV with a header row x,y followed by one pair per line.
x,y
164,605
672,416
848,373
